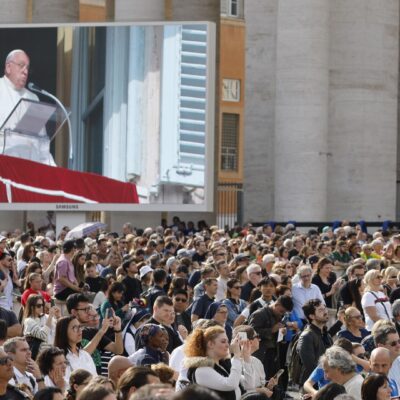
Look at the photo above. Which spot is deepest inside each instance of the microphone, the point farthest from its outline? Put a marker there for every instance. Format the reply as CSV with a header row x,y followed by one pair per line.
x,y
35,88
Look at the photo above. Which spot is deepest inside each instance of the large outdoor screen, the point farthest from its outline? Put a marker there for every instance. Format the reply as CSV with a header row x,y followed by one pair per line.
x,y
140,99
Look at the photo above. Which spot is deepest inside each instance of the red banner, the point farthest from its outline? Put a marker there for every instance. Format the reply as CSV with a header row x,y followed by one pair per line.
x,y
24,181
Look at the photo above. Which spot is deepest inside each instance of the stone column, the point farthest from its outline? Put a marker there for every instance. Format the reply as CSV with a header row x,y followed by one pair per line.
x,y
301,110
363,110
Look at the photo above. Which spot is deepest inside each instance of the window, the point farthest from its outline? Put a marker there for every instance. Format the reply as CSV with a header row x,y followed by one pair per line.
x,y
229,143
234,8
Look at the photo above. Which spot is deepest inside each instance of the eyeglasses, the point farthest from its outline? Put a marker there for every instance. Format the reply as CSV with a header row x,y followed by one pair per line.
x,y
5,360
86,309
180,299
21,65
77,328
39,305
221,254
394,343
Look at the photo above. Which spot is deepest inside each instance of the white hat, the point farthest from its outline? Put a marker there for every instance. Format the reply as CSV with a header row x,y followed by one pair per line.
x,y
89,241
268,258
145,270
2,238
170,261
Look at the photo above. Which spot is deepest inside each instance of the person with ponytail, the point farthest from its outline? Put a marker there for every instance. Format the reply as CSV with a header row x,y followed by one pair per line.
x,y
208,364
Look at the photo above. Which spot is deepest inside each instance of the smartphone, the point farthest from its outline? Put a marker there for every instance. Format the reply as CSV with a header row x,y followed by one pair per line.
x,y
278,374
242,335
52,303
109,313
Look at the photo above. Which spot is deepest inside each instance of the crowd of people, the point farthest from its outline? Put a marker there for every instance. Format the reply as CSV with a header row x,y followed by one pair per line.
x,y
190,312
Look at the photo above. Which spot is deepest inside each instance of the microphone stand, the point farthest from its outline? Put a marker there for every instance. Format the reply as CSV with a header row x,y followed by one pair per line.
x,y
34,88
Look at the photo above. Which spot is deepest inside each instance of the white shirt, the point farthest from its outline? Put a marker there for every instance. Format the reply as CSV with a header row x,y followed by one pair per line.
x,y
49,383
24,377
129,340
301,295
221,291
82,360
256,369
353,386
383,309
208,377
176,360
6,298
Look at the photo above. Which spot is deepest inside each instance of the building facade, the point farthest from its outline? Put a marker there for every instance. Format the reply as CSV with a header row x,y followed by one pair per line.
x,y
321,122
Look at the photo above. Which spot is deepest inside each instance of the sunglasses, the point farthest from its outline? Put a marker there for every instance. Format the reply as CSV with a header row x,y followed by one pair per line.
x,y
363,356
180,299
394,343
5,360
39,305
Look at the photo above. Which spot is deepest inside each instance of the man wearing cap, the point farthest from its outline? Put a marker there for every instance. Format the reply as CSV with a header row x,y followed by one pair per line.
x,y
65,282
254,274
133,287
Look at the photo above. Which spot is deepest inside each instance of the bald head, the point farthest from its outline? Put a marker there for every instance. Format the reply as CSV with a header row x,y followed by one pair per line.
x,y
380,360
117,366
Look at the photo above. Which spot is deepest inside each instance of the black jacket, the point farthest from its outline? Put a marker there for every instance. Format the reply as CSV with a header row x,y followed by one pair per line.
x,y
312,345
262,322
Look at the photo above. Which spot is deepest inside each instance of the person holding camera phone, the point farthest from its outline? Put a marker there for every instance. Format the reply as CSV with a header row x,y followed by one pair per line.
x,y
96,340
267,322
256,368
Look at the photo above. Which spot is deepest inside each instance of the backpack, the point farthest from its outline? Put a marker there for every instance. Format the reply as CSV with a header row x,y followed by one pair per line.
x,y
295,365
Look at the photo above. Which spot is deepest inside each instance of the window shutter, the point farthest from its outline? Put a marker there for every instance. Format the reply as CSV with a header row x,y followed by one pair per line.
x,y
184,95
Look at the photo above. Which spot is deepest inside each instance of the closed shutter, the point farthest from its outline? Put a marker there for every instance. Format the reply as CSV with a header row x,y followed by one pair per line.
x,y
183,126
229,143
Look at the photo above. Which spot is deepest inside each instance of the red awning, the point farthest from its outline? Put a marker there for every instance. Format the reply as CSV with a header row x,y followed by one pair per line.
x,y
24,181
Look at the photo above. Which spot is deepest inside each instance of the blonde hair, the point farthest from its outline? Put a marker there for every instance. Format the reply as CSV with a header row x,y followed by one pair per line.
x,y
389,271
369,276
196,343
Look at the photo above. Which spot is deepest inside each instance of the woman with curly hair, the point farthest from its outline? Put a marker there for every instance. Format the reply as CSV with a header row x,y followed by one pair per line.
x,y
205,355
